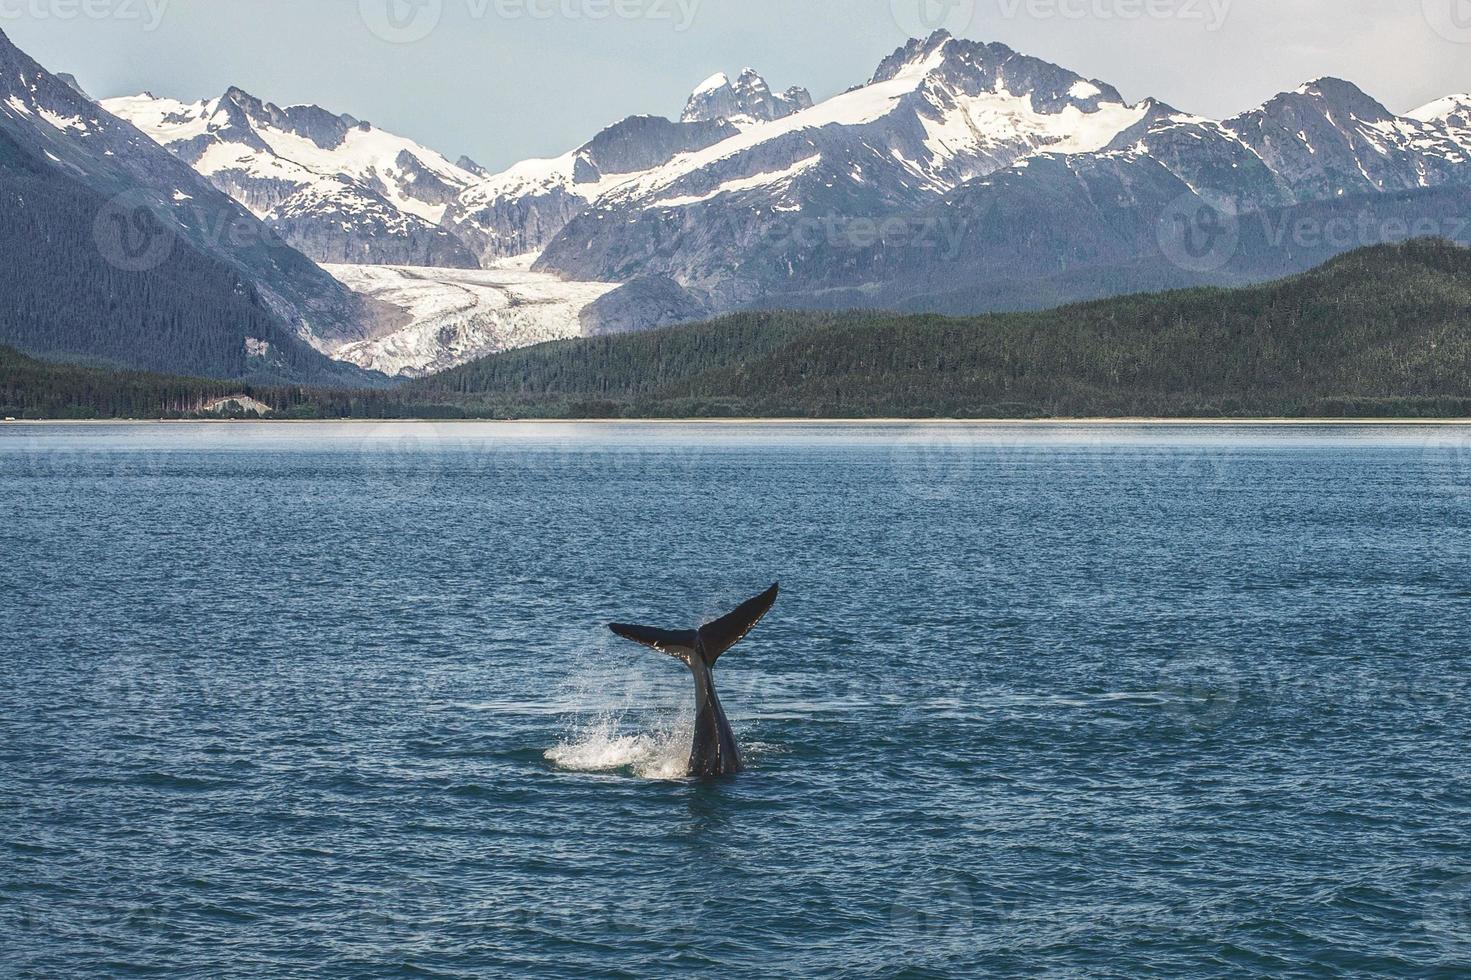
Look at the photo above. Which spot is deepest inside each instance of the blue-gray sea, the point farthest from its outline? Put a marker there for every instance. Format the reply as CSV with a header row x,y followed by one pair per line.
x,y
1123,701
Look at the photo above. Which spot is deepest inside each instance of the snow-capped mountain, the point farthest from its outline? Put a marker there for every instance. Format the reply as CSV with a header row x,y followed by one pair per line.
x,y
1453,111
744,102
1054,228
935,114
520,210
335,187
117,251
960,169
1329,139
950,133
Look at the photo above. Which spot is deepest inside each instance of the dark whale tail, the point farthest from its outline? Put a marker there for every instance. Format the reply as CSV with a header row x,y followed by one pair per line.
x,y
713,750
710,640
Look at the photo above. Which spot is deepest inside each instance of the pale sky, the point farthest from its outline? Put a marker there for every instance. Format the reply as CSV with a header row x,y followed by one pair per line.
x,y
503,80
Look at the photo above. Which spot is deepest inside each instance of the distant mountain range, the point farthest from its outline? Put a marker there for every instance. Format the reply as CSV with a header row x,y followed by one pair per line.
x,y
962,177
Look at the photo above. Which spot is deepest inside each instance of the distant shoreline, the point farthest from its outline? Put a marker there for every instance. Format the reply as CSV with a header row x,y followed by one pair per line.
x,y
894,422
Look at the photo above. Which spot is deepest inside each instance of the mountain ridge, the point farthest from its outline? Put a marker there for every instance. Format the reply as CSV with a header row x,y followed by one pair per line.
x,y
963,175
119,252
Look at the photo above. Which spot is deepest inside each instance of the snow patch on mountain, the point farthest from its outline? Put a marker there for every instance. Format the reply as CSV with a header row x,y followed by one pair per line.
x,y
766,180
283,163
716,82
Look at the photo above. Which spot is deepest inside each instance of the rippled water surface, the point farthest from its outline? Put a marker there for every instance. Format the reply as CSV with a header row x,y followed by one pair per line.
x,y
293,700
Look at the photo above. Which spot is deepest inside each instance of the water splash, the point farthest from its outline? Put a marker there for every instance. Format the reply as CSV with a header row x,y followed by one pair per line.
x,y
606,744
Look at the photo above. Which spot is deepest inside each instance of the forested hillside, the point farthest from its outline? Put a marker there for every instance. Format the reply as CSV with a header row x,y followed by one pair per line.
x,y
1381,332
1384,329
65,300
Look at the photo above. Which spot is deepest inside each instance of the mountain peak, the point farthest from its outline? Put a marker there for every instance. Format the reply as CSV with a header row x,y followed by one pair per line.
x,y
470,166
936,40
1453,109
237,101
748,99
1336,93
71,80
914,52
716,82
326,129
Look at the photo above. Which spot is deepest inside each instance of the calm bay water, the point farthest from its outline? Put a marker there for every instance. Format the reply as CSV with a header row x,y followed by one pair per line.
x,y
1120,701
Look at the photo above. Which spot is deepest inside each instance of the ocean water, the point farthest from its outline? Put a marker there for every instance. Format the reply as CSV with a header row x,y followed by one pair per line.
x,y
282,700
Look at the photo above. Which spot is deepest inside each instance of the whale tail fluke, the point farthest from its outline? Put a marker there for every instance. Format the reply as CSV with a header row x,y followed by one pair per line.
x,y
710,640
715,638
676,643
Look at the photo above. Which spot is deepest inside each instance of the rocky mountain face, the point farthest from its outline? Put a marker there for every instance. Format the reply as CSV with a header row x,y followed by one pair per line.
x,y
746,101
332,186
1330,139
118,252
968,171
729,221
343,191
71,80
645,303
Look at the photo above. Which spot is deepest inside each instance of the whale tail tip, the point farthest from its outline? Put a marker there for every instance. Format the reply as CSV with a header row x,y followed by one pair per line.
x,y
716,637
710,640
